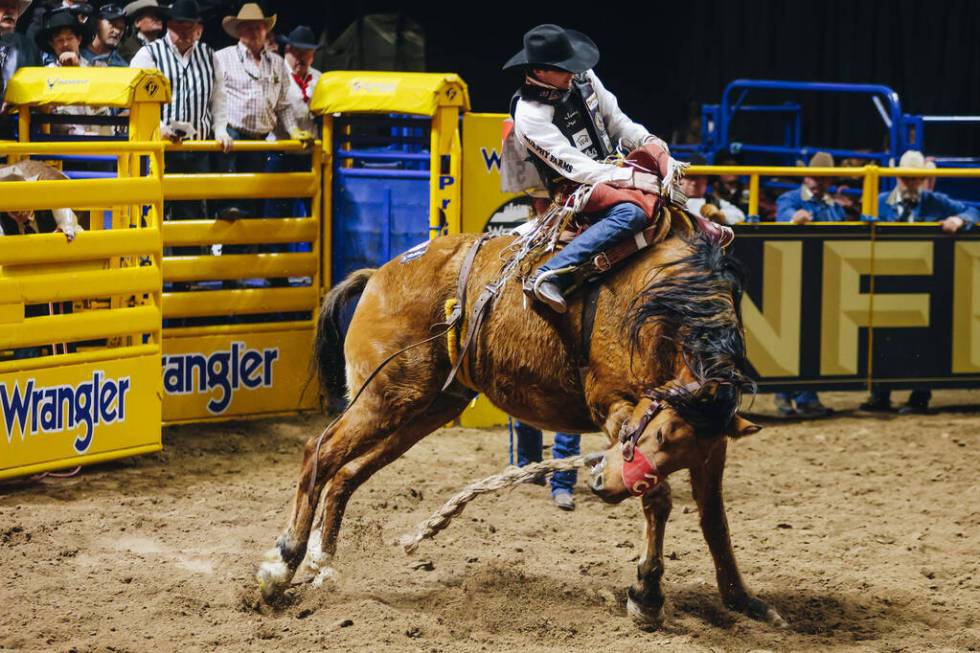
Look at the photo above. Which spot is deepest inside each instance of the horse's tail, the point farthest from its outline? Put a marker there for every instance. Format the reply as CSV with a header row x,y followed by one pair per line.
x,y
331,331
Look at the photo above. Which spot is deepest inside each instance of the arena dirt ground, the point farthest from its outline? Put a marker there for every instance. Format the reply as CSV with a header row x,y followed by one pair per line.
x,y
863,532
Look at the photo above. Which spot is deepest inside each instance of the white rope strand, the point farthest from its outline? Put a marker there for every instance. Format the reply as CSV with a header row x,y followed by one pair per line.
x,y
510,476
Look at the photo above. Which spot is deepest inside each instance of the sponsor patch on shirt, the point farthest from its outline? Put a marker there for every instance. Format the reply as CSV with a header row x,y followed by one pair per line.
x,y
582,139
592,102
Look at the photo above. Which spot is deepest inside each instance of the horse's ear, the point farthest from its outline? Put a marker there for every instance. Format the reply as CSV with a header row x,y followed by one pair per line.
x,y
741,427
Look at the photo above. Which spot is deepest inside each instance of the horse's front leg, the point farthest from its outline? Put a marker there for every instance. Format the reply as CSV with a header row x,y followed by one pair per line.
x,y
706,487
645,599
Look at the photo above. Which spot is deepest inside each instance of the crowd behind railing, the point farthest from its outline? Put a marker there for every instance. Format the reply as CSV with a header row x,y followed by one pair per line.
x,y
247,91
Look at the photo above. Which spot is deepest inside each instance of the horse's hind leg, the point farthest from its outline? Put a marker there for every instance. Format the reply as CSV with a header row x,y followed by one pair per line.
x,y
370,425
323,539
645,602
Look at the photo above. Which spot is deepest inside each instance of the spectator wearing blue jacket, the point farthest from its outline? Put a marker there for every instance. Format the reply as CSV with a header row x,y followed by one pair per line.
x,y
529,449
811,202
910,201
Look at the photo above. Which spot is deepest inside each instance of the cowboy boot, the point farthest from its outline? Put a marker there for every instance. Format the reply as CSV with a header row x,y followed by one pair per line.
x,y
541,287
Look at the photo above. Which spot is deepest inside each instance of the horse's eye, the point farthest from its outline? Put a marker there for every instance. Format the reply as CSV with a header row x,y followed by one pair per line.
x,y
660,436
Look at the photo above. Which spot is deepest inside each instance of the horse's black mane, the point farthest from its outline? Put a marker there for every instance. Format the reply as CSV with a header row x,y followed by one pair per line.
x,y
694,301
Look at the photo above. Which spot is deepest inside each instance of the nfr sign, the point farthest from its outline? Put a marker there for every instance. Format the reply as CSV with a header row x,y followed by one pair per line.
x,y
830,305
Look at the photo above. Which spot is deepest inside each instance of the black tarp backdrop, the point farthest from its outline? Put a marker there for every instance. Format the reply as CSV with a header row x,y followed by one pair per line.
x,y
662,58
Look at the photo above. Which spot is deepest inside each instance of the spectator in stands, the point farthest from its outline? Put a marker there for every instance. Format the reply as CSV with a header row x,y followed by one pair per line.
x,y
529,446
257,87
811,202
81,9
16,51
303,77
701,201
300,47
732,188
910,201
197,107
109,27
62,38
147,18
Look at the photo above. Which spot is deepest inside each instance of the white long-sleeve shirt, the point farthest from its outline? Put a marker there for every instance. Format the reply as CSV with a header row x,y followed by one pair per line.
x,y
733,214
219,99
536,131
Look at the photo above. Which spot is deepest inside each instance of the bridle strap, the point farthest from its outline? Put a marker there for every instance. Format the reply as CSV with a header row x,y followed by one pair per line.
x,y
640,474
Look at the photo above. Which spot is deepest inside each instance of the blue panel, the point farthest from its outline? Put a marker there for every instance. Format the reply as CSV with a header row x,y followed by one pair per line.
x,y
376,218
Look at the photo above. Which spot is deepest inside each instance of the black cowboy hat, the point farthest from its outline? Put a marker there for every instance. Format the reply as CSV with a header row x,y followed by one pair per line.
x,y
301,37
110,11
59,20
186,10
551,46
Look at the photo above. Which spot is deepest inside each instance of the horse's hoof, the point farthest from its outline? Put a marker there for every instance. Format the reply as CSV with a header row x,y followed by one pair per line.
x,y
644,616
273,575
760,611
326,577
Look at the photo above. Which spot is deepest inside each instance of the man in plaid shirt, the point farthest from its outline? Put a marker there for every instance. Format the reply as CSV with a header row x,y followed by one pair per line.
x,y
256,88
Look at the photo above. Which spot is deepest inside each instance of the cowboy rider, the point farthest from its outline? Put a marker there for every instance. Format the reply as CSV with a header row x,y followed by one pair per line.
x,y
567,124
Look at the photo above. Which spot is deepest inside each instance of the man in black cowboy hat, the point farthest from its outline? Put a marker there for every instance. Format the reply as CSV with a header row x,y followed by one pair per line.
x,y
109,27
567,124
196,110
300,45
62,39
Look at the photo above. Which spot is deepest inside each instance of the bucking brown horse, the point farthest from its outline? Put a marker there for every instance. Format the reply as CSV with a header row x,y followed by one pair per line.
x,y
661,371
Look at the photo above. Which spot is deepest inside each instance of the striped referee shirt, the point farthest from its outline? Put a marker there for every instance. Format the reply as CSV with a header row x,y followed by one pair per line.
x,y
196,84
257,90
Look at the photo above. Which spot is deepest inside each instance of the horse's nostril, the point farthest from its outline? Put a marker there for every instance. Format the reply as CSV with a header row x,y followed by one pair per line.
x,y
594,458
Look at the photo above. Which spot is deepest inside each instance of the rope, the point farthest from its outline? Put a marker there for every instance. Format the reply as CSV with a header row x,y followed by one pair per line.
x,y
510,476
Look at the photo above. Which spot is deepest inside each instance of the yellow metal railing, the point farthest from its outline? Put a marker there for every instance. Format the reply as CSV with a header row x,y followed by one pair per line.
x,y
870,175
251,231
122,266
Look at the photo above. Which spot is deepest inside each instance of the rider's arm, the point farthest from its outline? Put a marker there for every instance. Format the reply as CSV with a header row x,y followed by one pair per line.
x,y
618,124
534,128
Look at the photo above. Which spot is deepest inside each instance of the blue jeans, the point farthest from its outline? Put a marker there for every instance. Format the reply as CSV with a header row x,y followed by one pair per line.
x,y
529,446
619,222
802,398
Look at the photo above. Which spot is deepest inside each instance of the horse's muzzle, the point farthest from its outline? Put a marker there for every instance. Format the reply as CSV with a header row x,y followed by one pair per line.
x,y
596,464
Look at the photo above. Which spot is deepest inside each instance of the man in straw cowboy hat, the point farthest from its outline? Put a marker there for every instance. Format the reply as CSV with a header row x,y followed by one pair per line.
x,y
910,201
567,124
811,202
257,87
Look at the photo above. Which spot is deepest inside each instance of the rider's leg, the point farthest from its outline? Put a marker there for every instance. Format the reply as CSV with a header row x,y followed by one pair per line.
x,y
622,220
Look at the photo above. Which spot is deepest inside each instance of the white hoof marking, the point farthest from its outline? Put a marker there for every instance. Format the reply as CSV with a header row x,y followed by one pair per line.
x,y
273,573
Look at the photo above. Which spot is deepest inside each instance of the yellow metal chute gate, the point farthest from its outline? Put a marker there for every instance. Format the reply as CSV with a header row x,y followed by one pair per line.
x,y
80,333
439,96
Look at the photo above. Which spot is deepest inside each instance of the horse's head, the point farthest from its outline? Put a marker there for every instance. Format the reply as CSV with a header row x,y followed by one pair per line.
x,y
673,428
